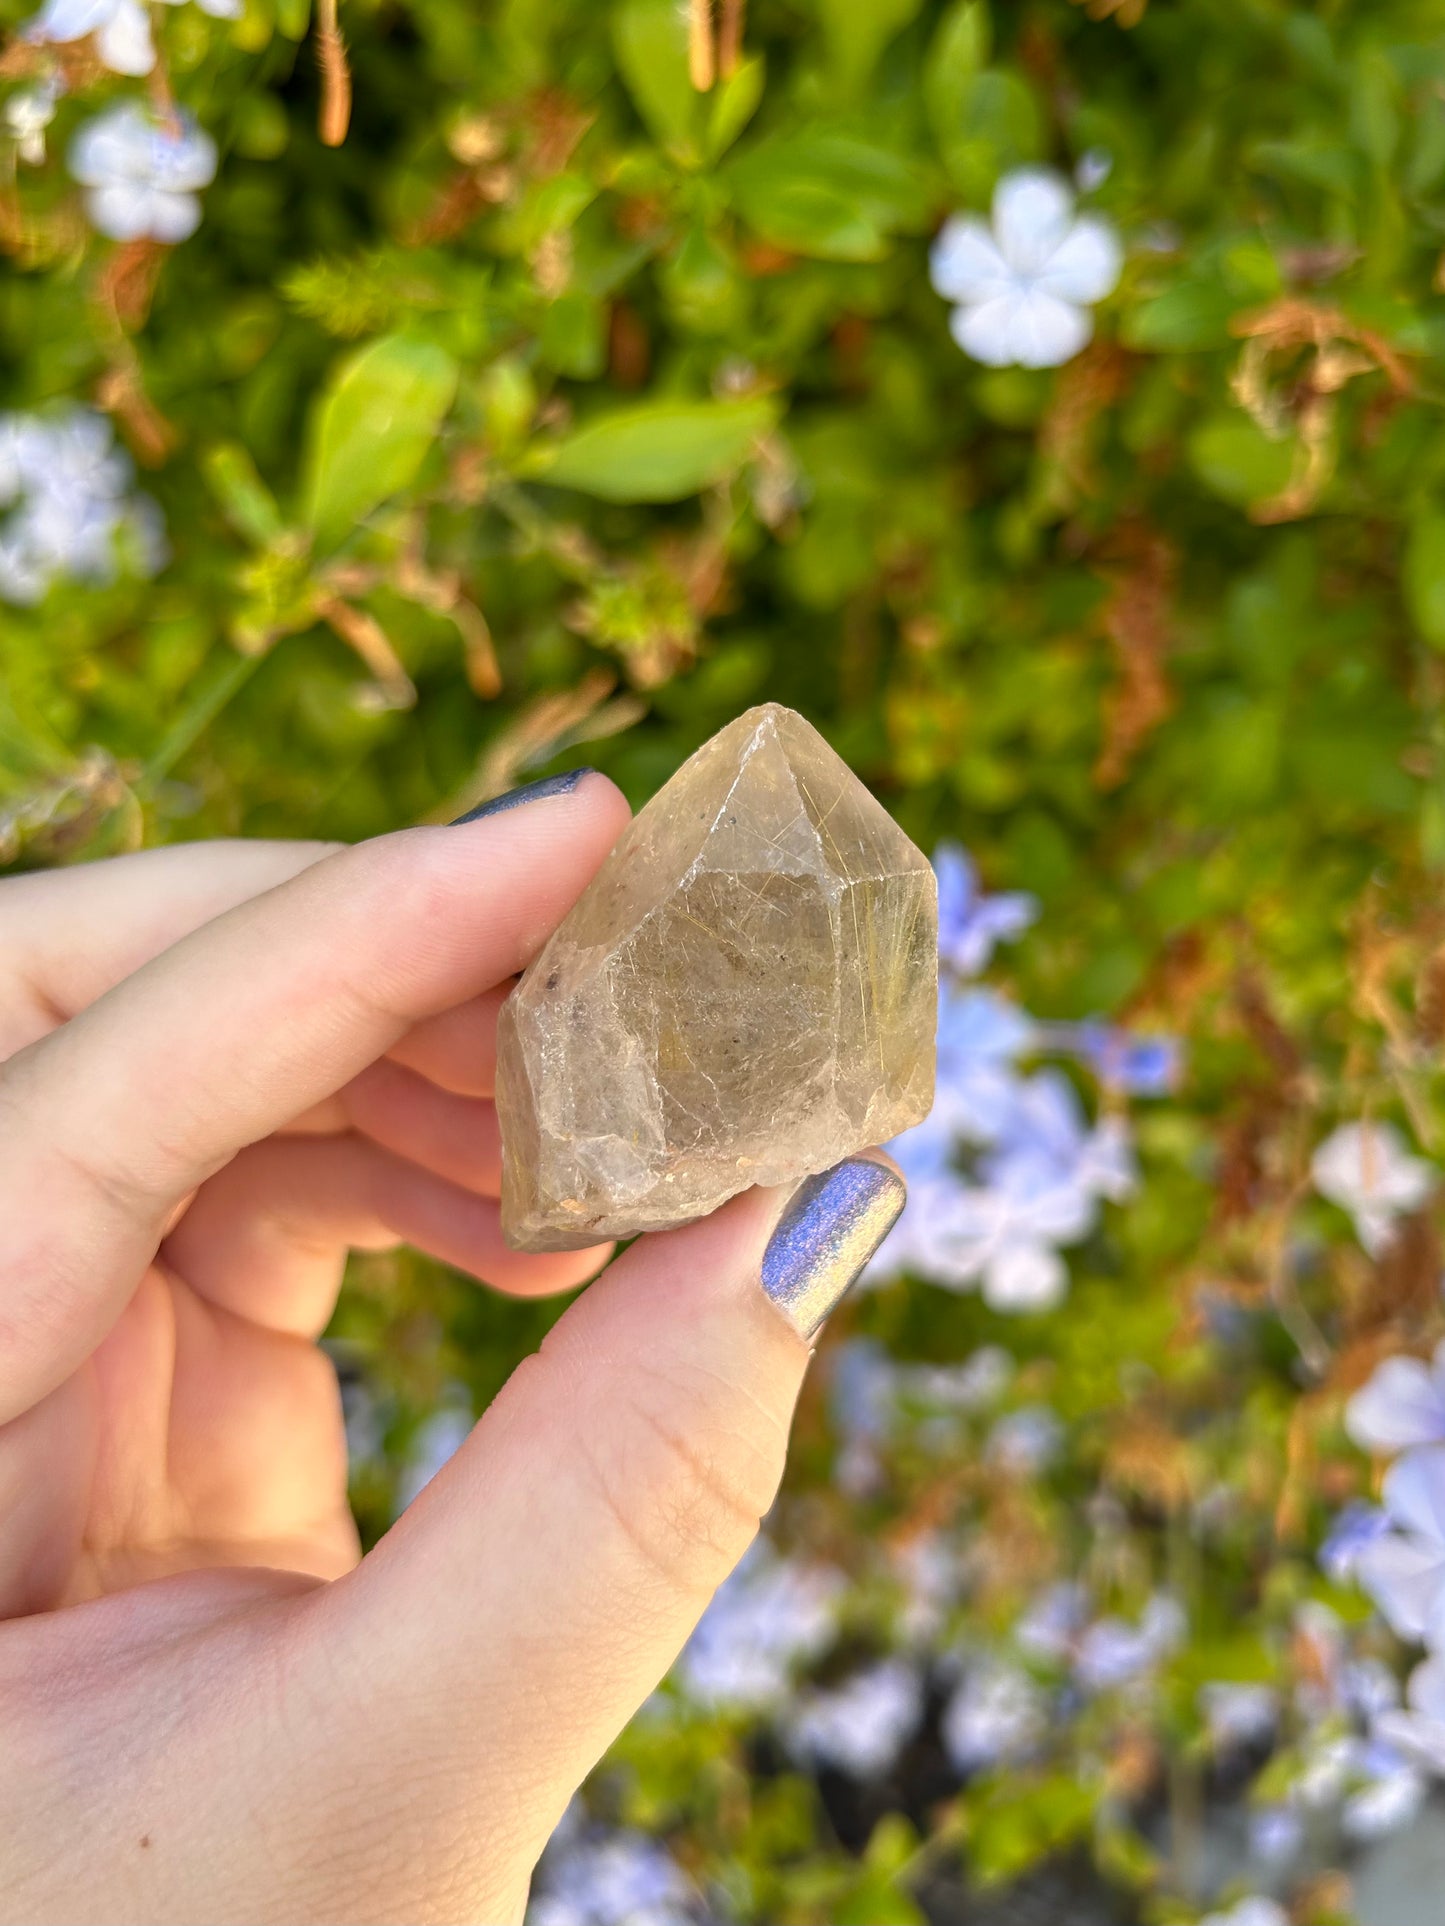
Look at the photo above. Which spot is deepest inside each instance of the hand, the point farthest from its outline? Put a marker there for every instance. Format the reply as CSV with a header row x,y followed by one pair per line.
x,y
221,1068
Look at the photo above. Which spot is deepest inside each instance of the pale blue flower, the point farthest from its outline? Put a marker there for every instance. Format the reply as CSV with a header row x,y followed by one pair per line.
x,y
142,174
860,1726
998,1716
616,1879
1402,1405
771,1616
1418,1730
1357,1526
970,923
1404,1569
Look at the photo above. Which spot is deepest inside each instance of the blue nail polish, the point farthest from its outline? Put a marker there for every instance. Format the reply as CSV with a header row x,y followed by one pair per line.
x,y
833,1224
529,792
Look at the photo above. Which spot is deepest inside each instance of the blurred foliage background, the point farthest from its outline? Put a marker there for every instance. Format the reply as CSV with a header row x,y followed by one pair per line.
x,y
564,407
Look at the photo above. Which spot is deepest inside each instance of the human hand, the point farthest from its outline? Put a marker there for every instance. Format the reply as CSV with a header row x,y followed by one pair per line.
x,y
221,1068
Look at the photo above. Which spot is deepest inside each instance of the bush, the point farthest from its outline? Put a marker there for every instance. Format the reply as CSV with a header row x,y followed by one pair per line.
x,y
519,399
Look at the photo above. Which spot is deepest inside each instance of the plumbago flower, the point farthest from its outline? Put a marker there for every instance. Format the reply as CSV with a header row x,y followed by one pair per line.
x,y
1403,1405
71,514
969,923
611,1879
1366,1170
27,115
1403,1570
861,1726
1249,1912
122,28
770,1617
998,1716
142,174
1025,285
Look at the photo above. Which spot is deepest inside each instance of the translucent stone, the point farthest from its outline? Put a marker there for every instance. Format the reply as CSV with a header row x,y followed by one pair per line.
x,y
745,993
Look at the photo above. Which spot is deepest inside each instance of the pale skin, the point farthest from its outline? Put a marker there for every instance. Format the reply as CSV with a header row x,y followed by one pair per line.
x,y
222,1068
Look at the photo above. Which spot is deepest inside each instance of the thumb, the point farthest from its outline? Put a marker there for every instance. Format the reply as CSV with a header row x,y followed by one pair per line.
x,y
533,1596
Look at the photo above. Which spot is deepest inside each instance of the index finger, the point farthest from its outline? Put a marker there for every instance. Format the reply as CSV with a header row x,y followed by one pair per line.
x,y
108,1122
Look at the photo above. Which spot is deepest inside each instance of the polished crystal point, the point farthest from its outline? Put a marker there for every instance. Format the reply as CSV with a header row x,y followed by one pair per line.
x,y
745,993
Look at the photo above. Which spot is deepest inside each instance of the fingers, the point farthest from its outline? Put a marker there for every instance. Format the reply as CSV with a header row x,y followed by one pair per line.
x,y
532,1597
69,935
243,1024
267,1238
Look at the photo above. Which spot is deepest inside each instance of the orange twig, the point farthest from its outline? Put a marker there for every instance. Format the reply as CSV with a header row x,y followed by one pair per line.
x,y
335,116
700,61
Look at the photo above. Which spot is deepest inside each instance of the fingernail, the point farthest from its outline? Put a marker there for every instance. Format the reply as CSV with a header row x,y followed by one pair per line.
x,y
529,792
833,1224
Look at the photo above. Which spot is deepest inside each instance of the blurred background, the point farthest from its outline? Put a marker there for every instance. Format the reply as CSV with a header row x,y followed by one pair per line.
x,y
1044,397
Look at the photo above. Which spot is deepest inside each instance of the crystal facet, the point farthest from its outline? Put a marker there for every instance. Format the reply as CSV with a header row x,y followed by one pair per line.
x,y
745,993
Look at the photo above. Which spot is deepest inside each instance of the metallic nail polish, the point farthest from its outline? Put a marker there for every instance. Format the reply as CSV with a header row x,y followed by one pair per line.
x,y
529,792
833,1224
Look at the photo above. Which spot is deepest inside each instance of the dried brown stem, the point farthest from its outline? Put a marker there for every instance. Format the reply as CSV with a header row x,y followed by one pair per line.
x,y
335,116
730,37
700,59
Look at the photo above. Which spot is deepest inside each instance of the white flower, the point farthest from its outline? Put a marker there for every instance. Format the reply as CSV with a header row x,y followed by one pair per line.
x,y
1419,1731
1238,1715
27,115
122,28
1249,1912
620,1879
1404,1570
770,1616
1402,1405
861,1726
1025,286
143,173
72,515
1390,1797
1114,1653
1366,1170
998,1716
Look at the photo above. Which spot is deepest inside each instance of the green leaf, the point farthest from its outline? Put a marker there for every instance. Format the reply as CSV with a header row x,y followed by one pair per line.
x,y
649,38
829,194
244,498
1424,577
734,102
999,127
957,56
1238,462
658,451
1184,319
857,31
370,430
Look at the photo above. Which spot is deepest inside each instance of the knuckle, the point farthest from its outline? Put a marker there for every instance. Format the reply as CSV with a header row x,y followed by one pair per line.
x,y
687,1474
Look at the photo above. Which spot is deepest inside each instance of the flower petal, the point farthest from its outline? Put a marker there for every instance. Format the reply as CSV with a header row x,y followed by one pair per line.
x,y
964,263
1086,265
988,330
1049,332
1032,212
1401,1406
174,217
1404,1576
124,42
120,209
1025,1277
1414,1494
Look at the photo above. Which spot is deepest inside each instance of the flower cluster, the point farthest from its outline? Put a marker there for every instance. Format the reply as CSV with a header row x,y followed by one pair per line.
x,y
71,510
122,28
1038,1171
142,174
1400,1559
